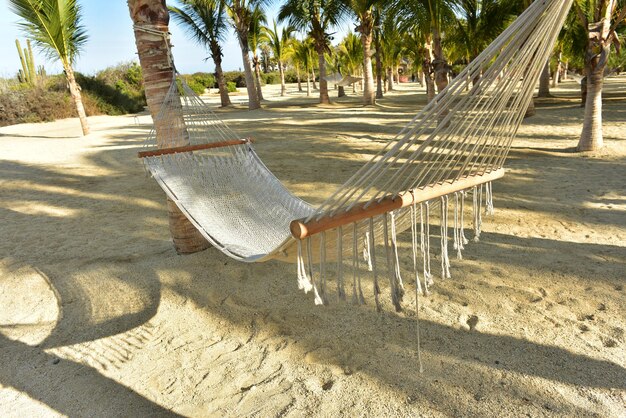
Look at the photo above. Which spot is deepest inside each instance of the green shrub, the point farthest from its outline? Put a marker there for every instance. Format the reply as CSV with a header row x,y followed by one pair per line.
x,y
236,77
271,78
34,105
231,86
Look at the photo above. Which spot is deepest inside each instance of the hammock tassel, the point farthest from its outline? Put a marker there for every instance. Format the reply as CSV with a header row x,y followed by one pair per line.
x,y
476,212
374,268
341,289
458,242
367,251
462,239
304,282
428,278
309,250
399,286
390,267
489,210
323,268
357,292
418,284
445,261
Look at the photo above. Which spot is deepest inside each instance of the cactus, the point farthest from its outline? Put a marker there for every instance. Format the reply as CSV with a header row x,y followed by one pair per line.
x,y
28,74
24,71
31,64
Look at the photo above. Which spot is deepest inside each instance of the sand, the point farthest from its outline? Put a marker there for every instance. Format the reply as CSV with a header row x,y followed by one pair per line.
x,y
100,317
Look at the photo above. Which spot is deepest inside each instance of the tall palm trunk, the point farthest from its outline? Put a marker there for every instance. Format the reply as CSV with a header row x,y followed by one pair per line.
x,y
556,78
242,35
389,79
308,83
366,28
324,97
591,137
158,74
76,97
439,62
216,54
313,78
544,81
257,74
379,66
281,71
298,78
221,84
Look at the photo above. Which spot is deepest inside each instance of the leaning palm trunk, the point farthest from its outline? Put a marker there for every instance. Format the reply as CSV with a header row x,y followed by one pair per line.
x,y
253,94
257,75
76,97
221,85
281,71
158,74
216,53
313,78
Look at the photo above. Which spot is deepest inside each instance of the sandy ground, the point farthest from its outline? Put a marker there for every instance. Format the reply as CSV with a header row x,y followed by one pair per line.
x,y
100,317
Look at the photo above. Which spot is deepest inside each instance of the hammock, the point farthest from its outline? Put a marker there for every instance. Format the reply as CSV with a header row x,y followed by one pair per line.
x,y
449,152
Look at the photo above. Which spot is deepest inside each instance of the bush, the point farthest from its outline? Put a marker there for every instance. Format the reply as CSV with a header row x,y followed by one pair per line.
x,y
271,78
236,77
231,86
114,91
34,105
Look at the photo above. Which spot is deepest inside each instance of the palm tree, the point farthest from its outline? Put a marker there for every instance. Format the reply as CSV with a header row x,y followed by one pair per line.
x,y
600,19
392,47
350,55
317,17
257,20
364,11
55,27
279,44
302,54
241,14
205,22
150,16
378,53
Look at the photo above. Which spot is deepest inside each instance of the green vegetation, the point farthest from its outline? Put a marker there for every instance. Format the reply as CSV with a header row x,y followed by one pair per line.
x,y
114,91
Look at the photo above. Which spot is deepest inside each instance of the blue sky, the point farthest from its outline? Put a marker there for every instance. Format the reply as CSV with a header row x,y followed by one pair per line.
x,y
111,41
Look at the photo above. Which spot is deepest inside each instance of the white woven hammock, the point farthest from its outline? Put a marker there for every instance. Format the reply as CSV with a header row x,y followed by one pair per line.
x,y
453,148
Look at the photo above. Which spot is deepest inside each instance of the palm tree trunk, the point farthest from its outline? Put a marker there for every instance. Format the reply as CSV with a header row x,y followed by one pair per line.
x,y
308,82
591,137
78,101
544,81
253,94
379,67
221,81
298,78
366,27
257,76
389,79
158,74
281,71
313,78
556,78
324,98
439,63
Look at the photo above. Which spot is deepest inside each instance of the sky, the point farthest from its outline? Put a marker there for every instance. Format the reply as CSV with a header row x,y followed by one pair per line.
x,y
111,41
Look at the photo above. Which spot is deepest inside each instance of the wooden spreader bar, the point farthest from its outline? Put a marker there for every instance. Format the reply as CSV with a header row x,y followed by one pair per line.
x,y
188,148
301,229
